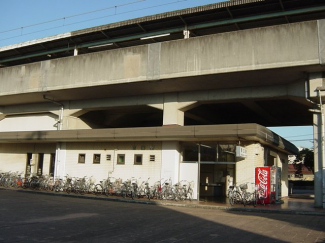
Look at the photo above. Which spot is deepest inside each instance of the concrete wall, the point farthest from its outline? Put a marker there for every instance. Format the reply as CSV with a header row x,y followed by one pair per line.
x,y
245,168
29,122
283,164
262,48
189,172
13,157
110,167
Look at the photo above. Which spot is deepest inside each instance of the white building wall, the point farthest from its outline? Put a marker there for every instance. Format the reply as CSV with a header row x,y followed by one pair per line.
x,y
110,167
60,160
34,122
170,161
13,157
189,172
283,164
245,168
46,164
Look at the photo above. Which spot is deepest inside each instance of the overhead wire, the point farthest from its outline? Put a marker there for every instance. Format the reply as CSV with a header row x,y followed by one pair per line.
x,y
71,16
87,20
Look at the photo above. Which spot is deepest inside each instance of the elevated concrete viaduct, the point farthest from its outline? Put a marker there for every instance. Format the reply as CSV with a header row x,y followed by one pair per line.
x,y
270,75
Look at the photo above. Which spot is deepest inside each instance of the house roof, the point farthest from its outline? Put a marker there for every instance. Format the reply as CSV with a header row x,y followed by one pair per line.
x,y
304,169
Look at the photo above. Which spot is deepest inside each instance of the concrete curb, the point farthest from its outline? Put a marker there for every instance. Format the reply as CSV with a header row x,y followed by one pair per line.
x,y
176,204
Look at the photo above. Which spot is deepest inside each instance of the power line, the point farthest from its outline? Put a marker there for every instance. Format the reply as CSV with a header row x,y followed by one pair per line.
x,y
300,140
71,16
87,20
300,135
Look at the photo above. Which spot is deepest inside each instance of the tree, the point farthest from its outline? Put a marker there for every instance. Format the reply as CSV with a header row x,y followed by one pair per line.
x,y
307,156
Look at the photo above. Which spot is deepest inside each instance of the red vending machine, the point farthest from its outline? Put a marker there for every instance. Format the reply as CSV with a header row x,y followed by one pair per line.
x,y
265,181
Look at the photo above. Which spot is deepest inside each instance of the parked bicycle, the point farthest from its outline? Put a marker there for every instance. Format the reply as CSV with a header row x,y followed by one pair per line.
x,y
249,198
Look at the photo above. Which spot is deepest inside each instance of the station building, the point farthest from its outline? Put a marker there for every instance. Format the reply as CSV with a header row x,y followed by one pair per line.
x,y
184,95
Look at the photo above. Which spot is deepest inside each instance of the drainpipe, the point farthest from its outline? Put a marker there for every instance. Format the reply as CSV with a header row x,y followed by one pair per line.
x,y
59,127
306,94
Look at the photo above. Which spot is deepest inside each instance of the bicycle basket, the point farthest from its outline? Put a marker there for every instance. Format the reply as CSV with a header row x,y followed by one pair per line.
x,y
243,186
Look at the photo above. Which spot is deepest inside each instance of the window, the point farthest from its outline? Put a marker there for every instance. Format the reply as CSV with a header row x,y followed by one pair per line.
x,y
108,157
82,158
210,152
138,159
121,159
96,159
190,152
152,158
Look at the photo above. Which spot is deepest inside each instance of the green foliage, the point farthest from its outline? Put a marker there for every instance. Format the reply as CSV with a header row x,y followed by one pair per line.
x,y
307,156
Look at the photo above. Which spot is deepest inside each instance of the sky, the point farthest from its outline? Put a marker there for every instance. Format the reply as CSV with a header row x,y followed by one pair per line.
x,y
25,20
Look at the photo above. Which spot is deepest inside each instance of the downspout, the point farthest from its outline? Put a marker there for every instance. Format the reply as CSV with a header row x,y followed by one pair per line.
x,y
59,127
306,94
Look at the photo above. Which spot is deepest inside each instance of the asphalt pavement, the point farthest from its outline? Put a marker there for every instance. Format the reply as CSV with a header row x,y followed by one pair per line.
x,y
28,216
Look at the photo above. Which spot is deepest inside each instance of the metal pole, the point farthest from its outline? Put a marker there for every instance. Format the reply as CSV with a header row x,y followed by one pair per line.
x,y
199,168
323,147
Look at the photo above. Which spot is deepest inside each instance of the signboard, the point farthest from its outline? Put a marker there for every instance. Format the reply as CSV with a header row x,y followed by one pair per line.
x,y
241,152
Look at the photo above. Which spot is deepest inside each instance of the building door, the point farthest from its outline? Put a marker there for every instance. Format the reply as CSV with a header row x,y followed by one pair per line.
x,y
40,164
216,167
28,164
52,164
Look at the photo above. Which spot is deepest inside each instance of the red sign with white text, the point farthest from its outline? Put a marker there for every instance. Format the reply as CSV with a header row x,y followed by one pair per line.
x,y
264,187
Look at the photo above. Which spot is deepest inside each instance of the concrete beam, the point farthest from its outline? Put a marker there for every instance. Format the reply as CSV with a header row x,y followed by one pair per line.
x,y
256,49
321,40
185,100
75,112
185,106
315,80
260,111
2,116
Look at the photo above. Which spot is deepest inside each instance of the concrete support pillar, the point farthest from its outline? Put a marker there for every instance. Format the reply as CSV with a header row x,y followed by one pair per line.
x,y
173,110
34,163
170,160
318,164
60,159
2,116
315,87
172,115
75,52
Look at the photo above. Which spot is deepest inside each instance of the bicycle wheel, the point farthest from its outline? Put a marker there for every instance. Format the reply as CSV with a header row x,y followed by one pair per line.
x,y
237,197
231,198
109,190
98,189
189,195
254,199
247,198
147,193
69,189
164,194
